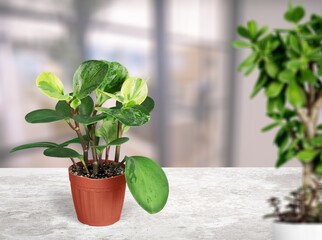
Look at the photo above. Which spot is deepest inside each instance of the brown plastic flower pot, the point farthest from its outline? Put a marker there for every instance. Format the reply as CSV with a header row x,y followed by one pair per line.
x,y
98,202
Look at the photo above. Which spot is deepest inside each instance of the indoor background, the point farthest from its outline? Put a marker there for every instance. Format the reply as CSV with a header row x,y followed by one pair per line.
x,y
203,115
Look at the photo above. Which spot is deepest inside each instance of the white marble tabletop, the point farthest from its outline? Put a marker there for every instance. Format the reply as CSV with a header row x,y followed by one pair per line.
x,y
204,203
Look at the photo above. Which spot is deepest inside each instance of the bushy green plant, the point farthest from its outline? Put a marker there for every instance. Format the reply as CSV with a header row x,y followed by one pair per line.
x,y
289,63
99,128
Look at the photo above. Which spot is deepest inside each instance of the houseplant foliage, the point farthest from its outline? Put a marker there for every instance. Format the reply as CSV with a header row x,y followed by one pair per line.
x,y
98,128
289,63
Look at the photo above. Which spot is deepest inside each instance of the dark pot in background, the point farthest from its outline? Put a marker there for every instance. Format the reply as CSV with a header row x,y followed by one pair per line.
x,y
98,202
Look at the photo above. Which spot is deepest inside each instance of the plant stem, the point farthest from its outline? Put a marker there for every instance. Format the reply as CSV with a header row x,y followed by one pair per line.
x,y
107,151
74,164
309,119
81,139
118,148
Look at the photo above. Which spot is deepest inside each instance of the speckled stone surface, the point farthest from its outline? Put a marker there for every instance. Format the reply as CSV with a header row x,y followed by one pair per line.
x,y
204,203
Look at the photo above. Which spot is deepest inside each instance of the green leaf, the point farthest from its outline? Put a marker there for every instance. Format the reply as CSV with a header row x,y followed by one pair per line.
x,y
73,140
317,141
295,64
294,43
271,69
134,90
131,116
115,77
318,168
307,156
147,183
75,103
284,157
248,62
118,141
243,32
110,95
148,104
286,76
241,44
270,126
295,94
274,89
108,130
34,145
44,116
262,80
297,14
261,31
88,119
281,138
88,76
308,76
86,107
61,152
252,28
64,109
49,84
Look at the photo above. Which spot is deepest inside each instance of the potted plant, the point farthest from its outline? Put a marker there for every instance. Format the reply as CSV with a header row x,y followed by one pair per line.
x,y
289,63
97,182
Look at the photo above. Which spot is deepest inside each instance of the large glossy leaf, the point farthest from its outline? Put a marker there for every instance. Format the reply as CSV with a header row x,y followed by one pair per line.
x,y
43,116
89,119
86,107
108,130
147,183
134,90
295,94
63,108
61,152
50,84
88,76
115,77
130,116
34,145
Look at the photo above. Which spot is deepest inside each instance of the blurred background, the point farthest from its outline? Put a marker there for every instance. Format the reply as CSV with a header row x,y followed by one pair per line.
x,y
203,115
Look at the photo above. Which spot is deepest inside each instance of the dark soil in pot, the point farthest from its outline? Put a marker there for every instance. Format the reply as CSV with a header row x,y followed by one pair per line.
x,y
106,170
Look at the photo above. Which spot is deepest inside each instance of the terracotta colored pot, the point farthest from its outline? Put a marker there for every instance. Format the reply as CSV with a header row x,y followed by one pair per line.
x,y
98,202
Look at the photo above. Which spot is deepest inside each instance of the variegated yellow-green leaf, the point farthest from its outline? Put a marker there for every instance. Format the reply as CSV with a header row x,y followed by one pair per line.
x,y
88,76
49,84
134,90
